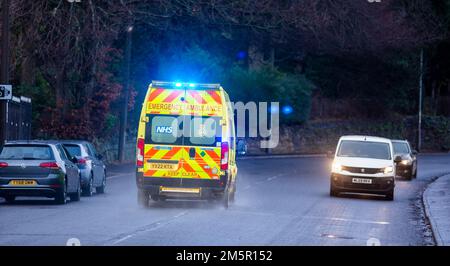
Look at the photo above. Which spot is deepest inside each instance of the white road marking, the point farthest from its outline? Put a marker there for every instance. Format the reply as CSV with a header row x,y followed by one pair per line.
x,y
149,228
116,176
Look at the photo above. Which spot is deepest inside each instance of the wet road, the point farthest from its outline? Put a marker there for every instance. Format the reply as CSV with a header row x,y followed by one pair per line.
x,y
281,201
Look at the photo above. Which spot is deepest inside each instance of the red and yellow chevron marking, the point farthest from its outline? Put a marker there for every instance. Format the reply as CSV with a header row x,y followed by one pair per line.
x,y
165,101
185,167
197,102
204,102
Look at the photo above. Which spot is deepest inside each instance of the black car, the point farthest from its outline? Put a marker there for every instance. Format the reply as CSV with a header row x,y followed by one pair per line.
x,y
407,168
38,168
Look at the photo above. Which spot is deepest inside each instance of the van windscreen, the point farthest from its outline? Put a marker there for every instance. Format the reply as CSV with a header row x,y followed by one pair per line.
x,y
365,149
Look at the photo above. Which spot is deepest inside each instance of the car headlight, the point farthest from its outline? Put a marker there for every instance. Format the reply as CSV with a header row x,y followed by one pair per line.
x,y
336,167
388,169
406,162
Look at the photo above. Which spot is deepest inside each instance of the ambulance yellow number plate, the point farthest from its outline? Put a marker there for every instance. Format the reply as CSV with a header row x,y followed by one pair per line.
x,y
180,190
163,166
23,183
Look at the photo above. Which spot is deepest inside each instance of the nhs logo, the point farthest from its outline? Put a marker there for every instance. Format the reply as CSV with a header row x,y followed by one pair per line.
x,y
163,129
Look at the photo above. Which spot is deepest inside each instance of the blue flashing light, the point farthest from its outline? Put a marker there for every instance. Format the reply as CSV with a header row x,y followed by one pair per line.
x,y
287,109
178,84
241,55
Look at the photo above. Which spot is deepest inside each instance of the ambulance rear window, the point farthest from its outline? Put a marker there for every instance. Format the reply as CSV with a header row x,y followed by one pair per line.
x,y
204,131
164,130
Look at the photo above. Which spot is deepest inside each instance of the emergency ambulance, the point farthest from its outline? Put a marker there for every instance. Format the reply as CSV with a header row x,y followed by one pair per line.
x,y
186,143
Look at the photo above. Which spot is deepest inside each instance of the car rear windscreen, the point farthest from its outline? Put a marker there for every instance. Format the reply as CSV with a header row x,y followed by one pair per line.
x,y
400,147
26,152
365,149
73,149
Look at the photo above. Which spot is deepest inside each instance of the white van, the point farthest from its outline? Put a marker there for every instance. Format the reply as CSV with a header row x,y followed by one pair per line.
x,y
364,164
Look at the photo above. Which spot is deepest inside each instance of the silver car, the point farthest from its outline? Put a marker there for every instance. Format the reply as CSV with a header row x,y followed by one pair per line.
x,y
93,170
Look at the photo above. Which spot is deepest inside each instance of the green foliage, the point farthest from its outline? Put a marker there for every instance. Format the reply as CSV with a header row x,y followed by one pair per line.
x,y
41,95
271,85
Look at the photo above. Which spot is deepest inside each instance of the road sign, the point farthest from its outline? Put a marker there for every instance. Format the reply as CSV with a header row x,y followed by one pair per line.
x,y
5,92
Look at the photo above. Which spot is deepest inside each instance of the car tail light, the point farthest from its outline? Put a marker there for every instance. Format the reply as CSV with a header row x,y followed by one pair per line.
x,y
224,156
140,153
82,161
3,164
50,165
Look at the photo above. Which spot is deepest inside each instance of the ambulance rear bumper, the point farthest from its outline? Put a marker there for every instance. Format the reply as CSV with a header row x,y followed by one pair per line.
x,y
208,187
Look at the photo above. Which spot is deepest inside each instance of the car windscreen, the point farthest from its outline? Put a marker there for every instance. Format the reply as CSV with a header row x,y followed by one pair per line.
x,y
74,150
400,147
26,152
365,149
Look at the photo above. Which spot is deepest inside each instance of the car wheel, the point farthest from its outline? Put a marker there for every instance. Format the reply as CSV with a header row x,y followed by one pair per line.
x,y
415,173
88,190
10,199
410,176
61,195
333,192
77,195
101,189
143,198
390,195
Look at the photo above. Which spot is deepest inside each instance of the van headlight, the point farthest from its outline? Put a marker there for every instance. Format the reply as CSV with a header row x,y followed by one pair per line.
x,y
406,162
336,167
388,170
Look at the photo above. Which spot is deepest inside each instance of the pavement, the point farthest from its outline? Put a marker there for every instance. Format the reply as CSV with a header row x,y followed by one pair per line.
x,y
279,201
436,199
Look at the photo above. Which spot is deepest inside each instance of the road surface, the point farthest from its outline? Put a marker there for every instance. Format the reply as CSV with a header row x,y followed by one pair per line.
x,y
282,201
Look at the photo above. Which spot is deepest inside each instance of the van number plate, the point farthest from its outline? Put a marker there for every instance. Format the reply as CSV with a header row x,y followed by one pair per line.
x,y
163,166
361,181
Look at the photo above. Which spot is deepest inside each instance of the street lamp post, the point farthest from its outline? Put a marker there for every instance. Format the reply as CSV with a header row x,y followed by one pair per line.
x,y
419,127
126,92
4,68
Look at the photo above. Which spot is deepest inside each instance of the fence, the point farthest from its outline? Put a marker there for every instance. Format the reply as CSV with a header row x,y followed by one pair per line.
x,y
18,119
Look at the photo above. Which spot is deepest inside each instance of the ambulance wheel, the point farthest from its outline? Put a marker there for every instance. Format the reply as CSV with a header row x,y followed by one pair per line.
x,y
226,199
143,198
232,193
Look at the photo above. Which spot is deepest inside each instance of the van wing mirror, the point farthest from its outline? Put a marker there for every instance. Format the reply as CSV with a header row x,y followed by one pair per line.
x,y
330,154
397,159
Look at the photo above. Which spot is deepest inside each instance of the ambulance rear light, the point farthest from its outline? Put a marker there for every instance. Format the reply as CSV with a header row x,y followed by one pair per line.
x,y
140,153
224,156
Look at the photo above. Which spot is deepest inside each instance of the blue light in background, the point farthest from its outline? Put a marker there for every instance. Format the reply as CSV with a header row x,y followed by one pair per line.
x,y
287,110
191,85
178,84
241,55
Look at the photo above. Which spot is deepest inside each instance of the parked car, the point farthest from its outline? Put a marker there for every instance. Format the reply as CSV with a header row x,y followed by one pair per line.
x,y
38,168
92,168
364,164
407,168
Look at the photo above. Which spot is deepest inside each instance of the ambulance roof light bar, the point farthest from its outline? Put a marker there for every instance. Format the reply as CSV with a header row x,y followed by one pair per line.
x,y
166,84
